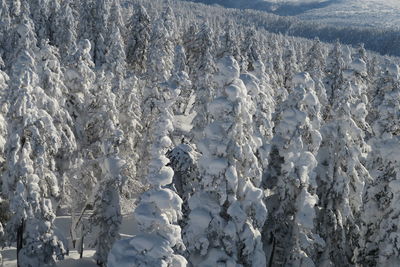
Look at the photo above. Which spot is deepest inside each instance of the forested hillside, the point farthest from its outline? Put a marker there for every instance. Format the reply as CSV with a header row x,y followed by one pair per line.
x,y
371,22
237,146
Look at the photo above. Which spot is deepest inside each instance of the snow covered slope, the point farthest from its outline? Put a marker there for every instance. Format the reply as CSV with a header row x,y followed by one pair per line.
x,y
376,13
362,13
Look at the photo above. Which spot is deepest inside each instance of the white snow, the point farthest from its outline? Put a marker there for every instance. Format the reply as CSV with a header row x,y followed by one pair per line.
x,y
306,213
381,13
128,228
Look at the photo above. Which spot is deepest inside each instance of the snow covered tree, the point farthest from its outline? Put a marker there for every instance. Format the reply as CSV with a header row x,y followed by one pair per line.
x,y
184,160
259,85
65,34
229,45
130,123
226,215
315,67
290,65
15,8
179,80
263,108
4,210
53,9
385,102
356,74
250,50
169,21
139,28
334,67
281,92
158,209
87,21
341,178
161,49
5,25
126,91
32,144
379,216
379,245
79,79
40,12
106,216
101,15
278,64
116,18
200,58
100,50
158,71
53,101
116,59
290,229
4,79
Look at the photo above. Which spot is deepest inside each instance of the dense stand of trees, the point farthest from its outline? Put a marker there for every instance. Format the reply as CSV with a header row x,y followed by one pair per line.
x,y
241,147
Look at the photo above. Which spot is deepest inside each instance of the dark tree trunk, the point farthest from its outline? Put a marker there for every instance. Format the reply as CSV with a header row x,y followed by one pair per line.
x,y
20,233
81,246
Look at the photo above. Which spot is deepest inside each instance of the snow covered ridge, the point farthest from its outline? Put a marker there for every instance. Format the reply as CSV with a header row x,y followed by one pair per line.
x,y
227,144
372,22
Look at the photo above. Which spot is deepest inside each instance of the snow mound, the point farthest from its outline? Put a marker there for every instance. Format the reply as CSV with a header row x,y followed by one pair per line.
x,y
303,79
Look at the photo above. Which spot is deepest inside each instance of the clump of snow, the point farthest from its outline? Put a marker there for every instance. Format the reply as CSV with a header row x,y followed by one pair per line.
x,y
359,66
306,209
228,71
393,70
303,79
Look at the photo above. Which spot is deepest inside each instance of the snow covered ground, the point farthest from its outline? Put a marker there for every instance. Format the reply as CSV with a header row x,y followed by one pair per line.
x,y
72,260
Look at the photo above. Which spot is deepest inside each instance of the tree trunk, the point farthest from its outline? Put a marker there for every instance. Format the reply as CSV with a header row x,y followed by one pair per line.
x,y
81,248
20,233
81,242
271,258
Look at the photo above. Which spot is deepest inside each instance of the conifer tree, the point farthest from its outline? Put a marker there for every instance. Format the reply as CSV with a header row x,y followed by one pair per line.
x,y
315,67
342,174
290,226
378,219
65,34
290,65
161,50
334,67
229,45
30,178
200,57
158,209
228,212
116,60
116,18
184,162
139,28
159,65
52,100
79,79
106,216
5,26
179,80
